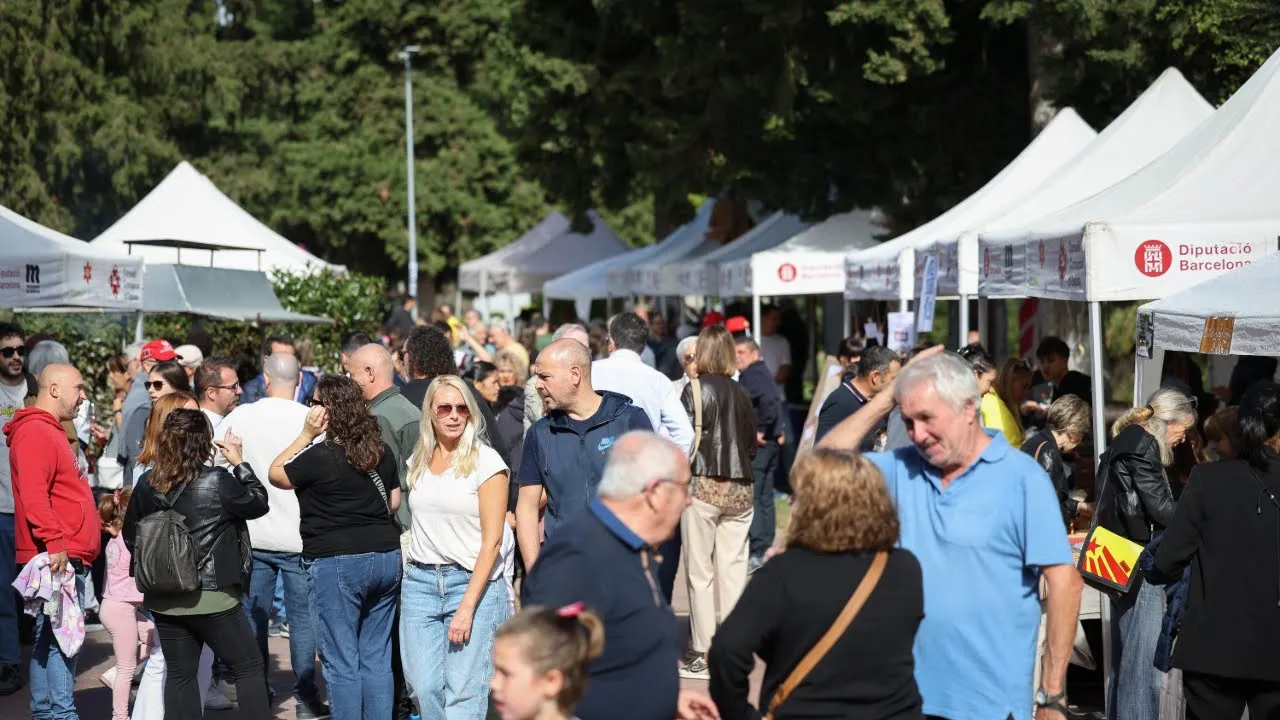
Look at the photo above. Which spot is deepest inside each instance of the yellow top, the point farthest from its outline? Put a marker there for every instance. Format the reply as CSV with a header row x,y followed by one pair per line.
x,y
997,416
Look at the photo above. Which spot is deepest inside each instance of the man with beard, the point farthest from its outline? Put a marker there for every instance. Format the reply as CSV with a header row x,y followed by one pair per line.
x,y
15,384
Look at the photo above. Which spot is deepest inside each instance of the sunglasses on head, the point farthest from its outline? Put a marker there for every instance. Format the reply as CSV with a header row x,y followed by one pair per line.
x,y
444,410
156,385
20,351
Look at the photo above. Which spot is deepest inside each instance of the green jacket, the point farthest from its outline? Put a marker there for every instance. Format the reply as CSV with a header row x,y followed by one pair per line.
x,y
398,420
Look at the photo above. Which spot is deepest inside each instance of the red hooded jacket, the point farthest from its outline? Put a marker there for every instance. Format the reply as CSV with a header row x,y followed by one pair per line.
x,y
53,505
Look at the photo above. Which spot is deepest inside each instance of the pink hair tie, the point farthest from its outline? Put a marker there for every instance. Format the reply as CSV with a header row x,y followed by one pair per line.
x,y
571,611
116,496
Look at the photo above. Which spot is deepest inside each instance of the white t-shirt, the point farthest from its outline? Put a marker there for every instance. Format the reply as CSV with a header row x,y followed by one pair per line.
x,y
446,514
775,351
11,401
266,428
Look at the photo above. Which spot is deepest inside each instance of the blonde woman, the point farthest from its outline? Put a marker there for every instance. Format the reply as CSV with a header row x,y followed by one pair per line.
x,y
1000,407
453,597
714,529
1068,423
1136,501
512,368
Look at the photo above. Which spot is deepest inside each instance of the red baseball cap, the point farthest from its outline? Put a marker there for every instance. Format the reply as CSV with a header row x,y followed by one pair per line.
x,y
712,318
159,350
737,324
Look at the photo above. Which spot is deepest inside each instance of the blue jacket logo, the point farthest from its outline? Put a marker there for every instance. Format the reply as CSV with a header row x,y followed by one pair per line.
x,y
605,444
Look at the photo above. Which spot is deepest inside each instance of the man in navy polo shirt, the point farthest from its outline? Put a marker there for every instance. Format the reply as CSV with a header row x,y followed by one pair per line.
x,y
604,557
982,518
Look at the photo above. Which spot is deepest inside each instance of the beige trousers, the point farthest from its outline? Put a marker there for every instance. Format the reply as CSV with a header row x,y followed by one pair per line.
x,y
715,562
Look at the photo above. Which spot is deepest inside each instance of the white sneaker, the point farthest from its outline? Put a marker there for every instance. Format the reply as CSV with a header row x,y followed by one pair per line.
x,y
216,699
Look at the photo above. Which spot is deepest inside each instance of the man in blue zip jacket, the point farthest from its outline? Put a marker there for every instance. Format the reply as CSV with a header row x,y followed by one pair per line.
x,y
565,451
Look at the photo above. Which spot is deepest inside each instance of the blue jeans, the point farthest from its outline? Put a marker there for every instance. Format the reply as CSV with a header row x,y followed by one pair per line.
x,y
10,653
1135,683
278,603
448,680
354,600
764,521
302,640
53,675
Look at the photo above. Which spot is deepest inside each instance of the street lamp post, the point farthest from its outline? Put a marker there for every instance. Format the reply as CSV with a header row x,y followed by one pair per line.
x,y
407,55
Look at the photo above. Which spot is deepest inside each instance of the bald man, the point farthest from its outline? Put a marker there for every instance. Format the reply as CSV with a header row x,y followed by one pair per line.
x,y
532,402
565,451
374,371
54,514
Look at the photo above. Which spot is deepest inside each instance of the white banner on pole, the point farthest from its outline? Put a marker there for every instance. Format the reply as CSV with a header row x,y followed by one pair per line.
x,y
928,295
902,331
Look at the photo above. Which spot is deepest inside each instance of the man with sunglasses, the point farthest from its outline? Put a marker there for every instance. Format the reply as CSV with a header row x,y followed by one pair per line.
x,y
15,385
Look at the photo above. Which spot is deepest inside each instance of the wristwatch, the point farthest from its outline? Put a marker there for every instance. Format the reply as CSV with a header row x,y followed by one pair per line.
x,y
1053,702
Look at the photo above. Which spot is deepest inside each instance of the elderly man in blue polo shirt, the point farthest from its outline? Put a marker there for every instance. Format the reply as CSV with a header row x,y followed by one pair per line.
x,y
605,558
983,519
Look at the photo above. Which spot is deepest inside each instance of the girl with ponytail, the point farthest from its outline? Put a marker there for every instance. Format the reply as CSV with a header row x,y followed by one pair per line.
x,y
540,660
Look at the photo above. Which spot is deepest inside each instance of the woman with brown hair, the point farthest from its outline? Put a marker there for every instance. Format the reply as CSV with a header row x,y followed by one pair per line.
x,y
348,488
715,527
1001,406
841,519
214,504
160,410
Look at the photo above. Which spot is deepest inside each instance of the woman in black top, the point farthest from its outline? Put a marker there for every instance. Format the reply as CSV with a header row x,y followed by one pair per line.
x,y
841,517
714,529
214,504
1068,423
348,490
1227,527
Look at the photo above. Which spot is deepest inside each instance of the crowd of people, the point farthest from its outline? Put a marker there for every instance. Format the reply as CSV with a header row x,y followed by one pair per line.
x,y
470,520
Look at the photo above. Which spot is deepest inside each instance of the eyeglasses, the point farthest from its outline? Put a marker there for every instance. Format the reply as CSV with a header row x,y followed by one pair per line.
x,y
444,410
315,402
9,352
688,358
232,386
156,385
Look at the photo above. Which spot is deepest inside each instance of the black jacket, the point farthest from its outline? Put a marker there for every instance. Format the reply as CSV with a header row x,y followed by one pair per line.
x,y
1134,497
215,506
765,398
788,605
1044,449
1227,528
728,440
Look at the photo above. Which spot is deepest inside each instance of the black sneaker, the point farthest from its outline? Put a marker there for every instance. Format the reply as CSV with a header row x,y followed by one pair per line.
x,y
313,711
10,680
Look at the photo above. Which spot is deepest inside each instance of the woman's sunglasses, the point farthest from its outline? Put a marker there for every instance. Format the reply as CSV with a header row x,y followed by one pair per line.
x,y
444,410
20,351
156,385
315,402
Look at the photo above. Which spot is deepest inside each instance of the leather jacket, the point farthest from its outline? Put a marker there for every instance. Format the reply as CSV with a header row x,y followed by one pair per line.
x,y
1134,497
728,441
215,506
1044,449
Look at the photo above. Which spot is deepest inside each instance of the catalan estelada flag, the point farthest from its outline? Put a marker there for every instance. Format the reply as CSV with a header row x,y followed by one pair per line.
x,y
1109,561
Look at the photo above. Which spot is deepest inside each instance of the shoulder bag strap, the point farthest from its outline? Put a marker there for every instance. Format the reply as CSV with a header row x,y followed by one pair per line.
x,y
815,655
382,489
1038,449
697,416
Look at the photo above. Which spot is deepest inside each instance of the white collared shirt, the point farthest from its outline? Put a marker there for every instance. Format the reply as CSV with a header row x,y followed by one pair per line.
x,y
625,373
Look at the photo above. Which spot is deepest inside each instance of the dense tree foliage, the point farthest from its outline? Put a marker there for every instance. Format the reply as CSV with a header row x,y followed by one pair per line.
x,y
296,107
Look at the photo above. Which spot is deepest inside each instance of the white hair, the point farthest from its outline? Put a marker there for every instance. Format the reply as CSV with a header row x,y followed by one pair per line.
x,y
952,379
567,330
637,459
685,346
499,324
134,351
46,353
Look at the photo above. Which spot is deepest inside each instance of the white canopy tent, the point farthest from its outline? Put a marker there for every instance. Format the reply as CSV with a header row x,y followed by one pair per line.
x,y
702,277
645,277
591,282
480,275
887,271
43,268
186,219
1204,207
1240,309
809,263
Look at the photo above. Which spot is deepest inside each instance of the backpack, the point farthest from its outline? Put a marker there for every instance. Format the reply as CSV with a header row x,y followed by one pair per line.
x,y
164,558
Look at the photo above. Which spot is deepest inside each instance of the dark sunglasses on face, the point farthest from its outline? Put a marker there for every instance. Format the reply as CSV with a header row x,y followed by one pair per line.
x,y
156,385
9,352
444,410
315,402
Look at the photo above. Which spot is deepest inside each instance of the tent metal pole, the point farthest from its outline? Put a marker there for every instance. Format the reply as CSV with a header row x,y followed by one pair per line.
x,y
964,320
983,329
846,322
138,328
755,316
903,305
1099,444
